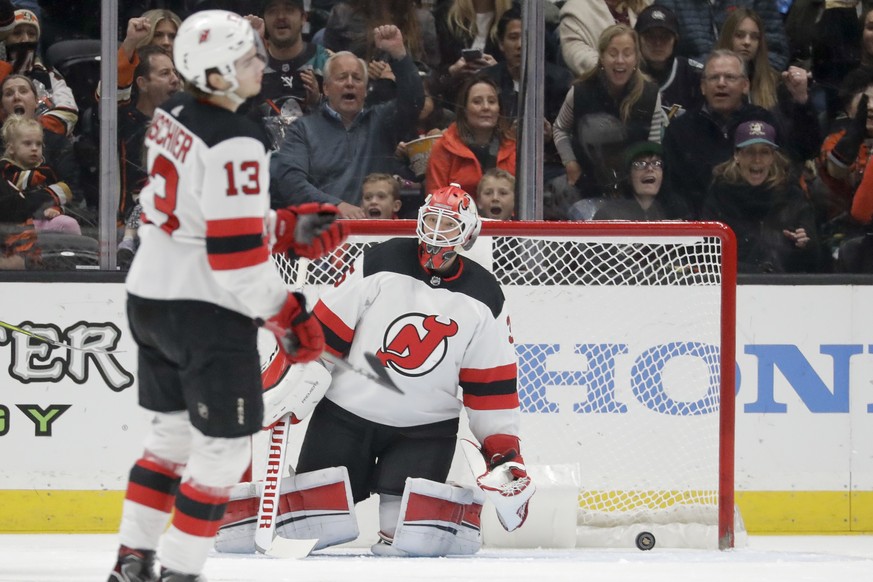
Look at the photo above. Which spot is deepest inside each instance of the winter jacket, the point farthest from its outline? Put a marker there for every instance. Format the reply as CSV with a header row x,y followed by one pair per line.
x,y
699,140
451,161
701,20
758,215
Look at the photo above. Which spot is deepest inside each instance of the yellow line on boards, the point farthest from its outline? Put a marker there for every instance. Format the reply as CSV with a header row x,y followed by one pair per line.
x,y
764,512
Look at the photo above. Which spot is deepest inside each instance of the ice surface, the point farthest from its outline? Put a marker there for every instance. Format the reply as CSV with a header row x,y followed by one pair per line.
x,y
81,558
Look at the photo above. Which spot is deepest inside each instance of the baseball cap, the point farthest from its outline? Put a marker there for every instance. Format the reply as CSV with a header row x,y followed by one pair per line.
x,y
752,132
640,149
657,17
297,4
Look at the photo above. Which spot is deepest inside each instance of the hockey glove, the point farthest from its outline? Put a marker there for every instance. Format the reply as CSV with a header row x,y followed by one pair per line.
x,y
310,230
297,332
846,150
506,483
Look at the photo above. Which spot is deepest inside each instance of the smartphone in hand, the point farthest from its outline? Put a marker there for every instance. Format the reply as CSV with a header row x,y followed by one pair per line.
x,y
471,55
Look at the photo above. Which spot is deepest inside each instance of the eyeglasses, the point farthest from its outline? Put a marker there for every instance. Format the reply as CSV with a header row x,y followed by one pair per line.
x,y
645,164
728,77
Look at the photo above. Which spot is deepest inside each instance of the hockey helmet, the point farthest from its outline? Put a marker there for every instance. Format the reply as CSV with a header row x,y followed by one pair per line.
x,y
212,41
447,219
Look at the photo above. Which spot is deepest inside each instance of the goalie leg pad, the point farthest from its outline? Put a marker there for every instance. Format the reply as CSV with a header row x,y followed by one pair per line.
x,y
438,519
236,534
294,388
319,505
316,505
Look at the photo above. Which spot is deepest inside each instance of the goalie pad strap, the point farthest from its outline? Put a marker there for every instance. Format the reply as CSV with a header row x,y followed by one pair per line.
x,y
439,519
311,505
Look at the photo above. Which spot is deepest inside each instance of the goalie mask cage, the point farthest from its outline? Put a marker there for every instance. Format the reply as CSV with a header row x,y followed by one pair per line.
x,y
625,340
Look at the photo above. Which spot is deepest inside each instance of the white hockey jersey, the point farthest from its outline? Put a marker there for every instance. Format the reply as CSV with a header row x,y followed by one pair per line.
x,y
432,334
206,211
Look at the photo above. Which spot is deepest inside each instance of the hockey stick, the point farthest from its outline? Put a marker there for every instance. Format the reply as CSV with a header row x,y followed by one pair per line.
x,y
266,540
55,343
378,374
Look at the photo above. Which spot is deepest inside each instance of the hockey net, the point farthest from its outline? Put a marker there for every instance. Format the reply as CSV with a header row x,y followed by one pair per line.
x,y
625,341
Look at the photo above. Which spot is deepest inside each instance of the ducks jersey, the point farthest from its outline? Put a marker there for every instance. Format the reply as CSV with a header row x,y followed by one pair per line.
x,y
432,333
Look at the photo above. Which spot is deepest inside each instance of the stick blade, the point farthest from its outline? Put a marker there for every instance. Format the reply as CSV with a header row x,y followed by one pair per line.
x,y
377,367
286,548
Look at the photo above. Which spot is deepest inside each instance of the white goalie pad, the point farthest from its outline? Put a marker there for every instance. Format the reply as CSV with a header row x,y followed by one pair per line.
x,y
439,519
315,505
294,388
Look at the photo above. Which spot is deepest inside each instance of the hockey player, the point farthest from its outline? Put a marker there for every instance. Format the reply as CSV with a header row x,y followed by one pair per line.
x,y
436,320
202,276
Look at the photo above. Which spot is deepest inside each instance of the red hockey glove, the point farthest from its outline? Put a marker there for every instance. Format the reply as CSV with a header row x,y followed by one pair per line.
x,y
310,230
297,332
499,449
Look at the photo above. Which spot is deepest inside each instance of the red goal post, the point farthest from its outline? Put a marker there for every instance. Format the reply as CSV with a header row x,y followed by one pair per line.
x,y
625,334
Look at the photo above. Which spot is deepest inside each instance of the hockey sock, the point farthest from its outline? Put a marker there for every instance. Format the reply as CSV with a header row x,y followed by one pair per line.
x,y
199,510
151,490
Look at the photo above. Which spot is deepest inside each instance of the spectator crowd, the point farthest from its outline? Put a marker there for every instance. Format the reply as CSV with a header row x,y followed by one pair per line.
x,y
755,113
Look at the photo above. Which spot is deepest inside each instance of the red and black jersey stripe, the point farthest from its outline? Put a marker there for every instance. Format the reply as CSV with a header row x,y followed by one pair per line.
x,y
490,389
236,243
198,513
337,335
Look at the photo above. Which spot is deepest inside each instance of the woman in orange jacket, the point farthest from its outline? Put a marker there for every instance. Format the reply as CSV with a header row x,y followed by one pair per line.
x,y
479,139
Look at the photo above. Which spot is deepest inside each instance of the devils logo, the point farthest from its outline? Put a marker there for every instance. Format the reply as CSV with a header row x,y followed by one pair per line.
x,y
415,343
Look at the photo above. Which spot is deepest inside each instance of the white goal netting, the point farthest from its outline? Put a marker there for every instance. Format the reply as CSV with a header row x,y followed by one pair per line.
x,y
620,340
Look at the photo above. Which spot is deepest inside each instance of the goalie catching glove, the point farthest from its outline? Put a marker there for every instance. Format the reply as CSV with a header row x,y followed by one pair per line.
x,y
310,230
297,332
506,483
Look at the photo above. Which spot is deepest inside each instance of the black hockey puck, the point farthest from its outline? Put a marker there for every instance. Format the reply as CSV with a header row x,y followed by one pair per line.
x,y
645,541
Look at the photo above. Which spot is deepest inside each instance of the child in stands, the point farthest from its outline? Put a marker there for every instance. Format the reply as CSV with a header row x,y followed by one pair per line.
x,y
24,167
495,196
380,196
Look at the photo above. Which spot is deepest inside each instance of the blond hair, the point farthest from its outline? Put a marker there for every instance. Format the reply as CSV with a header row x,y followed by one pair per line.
x,y
777,175
155,17
462,17
497,173
382,177
637,80
14,126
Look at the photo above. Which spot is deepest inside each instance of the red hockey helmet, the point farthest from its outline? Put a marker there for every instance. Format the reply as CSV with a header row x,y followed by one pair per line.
x,y
447,219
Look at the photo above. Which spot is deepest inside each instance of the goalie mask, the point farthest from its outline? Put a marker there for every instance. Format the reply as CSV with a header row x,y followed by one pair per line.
x,y
447,219
212,41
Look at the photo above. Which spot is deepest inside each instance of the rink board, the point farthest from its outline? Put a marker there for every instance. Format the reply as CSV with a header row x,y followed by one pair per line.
x,y
70,426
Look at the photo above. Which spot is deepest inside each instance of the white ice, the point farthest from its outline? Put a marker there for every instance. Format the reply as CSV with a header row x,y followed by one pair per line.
x,y
80,558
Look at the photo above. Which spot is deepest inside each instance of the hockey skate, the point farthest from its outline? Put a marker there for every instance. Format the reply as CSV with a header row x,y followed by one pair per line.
x,y
134,566
171,576
385,547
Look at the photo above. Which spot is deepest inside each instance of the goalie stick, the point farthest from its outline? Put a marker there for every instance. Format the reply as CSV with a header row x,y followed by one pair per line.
x,y
266,540
379,374
55,343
